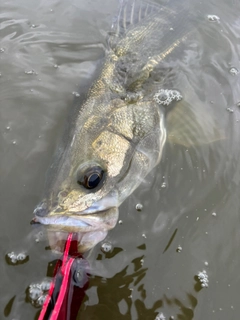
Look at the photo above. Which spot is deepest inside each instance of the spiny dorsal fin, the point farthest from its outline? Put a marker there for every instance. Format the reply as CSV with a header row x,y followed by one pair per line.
x,y
132,12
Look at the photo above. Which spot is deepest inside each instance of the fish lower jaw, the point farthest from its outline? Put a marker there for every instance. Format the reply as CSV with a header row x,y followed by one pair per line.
x,y
86,240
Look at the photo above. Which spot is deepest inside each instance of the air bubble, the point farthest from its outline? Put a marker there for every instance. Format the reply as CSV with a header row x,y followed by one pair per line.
x,y
213,18
40,301
165,96
21,256
234,71
39,235
144,236
106,247
56,66
45,285
179,249
120,222
139,207
230,110
214,214
162,96
2,50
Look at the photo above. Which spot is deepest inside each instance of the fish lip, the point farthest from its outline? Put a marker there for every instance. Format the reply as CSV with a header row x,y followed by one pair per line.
x,y
79,221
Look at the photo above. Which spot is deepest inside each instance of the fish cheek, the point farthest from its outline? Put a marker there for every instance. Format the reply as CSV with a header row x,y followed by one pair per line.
x,y
147,154
112,150
137,170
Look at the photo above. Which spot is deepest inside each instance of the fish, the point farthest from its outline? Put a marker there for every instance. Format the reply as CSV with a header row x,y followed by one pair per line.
x,y
121,128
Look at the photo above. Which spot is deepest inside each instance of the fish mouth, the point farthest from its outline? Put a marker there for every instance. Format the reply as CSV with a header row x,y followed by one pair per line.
x,y
77,222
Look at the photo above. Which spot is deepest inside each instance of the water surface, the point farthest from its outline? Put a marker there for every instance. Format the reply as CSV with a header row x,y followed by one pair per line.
x,y
190,217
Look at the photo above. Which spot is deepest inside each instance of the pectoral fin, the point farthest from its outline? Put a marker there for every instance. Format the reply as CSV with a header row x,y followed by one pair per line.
x,y
192,125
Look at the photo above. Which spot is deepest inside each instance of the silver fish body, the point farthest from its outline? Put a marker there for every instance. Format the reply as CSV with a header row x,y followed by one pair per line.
x,y
119,133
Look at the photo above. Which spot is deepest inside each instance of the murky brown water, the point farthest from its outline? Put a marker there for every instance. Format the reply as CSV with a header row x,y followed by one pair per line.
x,y
190,218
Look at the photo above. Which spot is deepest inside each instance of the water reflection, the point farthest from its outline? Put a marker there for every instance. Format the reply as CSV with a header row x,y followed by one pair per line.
x,y
123,296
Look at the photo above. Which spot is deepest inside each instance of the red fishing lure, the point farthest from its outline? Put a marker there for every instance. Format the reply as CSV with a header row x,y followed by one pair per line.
x,y
68,287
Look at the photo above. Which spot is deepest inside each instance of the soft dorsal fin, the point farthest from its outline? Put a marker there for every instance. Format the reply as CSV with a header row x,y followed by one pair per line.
x,y
192,126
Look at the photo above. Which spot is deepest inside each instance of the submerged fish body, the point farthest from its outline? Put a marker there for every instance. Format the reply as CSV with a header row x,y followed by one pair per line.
x,y
119,133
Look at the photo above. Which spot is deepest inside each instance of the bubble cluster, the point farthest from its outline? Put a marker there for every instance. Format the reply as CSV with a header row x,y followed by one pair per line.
x,y
76,94
203,278
163,185
160,316
16,258
37,292
34,291
30,72
230,110
213,18
139,207
165,96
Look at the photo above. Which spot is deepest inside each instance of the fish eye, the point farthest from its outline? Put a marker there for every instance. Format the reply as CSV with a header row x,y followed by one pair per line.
x,y
91,178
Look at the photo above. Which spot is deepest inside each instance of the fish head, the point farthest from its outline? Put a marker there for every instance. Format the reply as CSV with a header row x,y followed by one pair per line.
x,y
107,157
